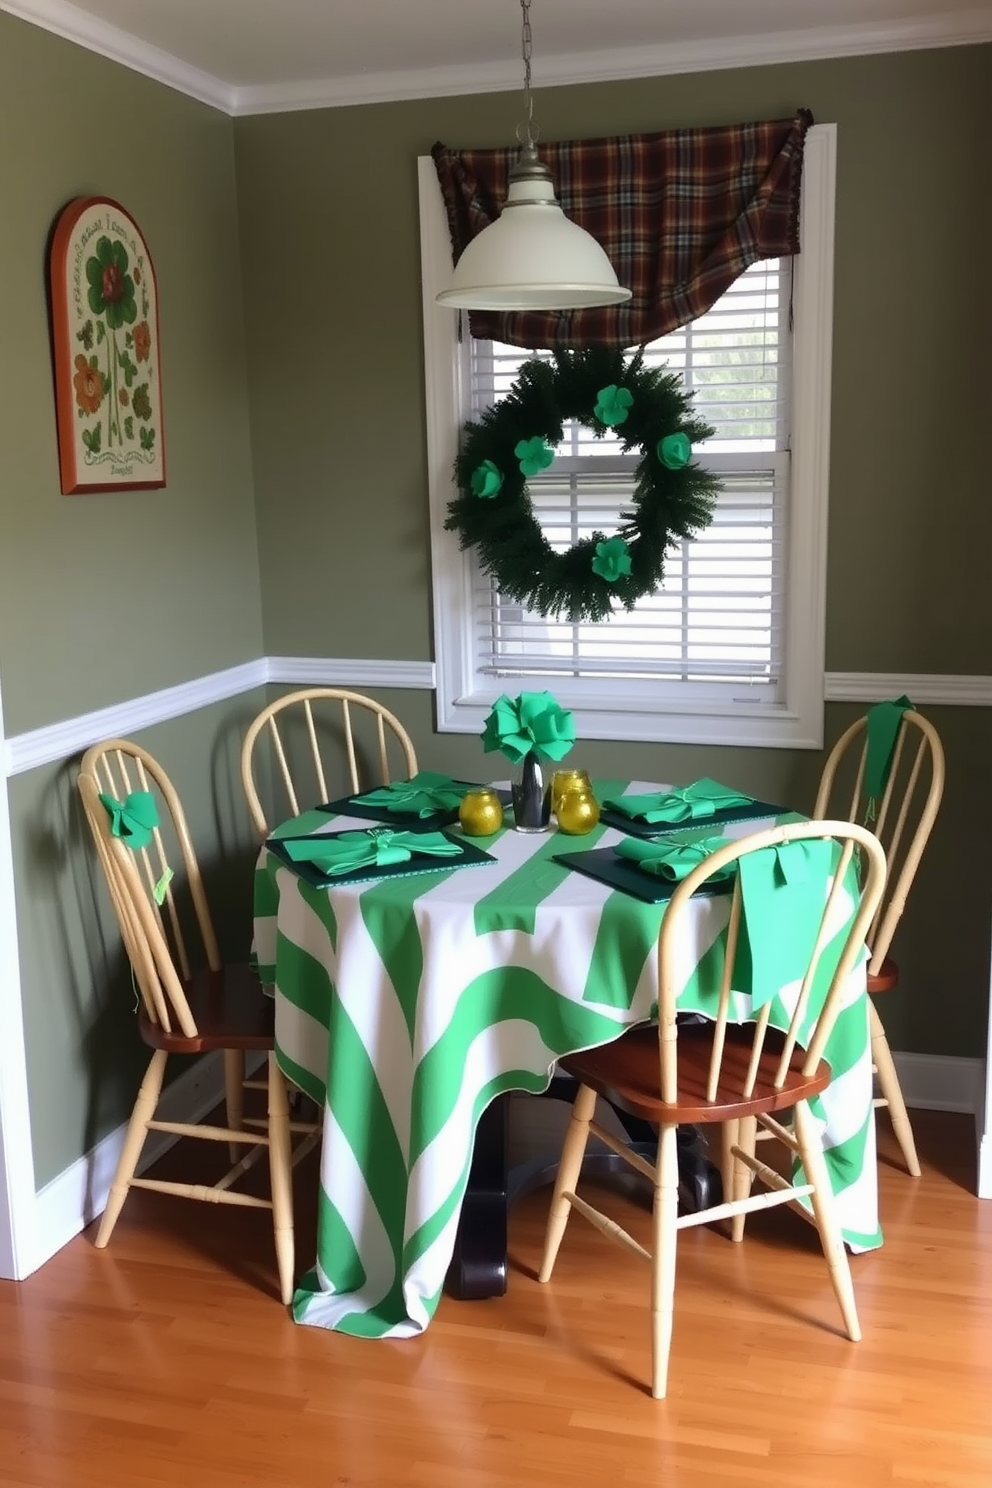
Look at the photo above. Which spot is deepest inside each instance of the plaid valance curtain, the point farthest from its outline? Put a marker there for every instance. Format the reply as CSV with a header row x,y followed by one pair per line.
x,y
681,214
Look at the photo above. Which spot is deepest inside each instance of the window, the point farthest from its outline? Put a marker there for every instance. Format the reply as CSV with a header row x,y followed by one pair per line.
x,y
730,649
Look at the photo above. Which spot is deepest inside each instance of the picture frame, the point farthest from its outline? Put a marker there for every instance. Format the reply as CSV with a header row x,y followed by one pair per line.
x,y
106,350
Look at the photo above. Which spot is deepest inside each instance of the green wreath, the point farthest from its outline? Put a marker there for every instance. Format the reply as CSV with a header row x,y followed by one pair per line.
x,y
649,410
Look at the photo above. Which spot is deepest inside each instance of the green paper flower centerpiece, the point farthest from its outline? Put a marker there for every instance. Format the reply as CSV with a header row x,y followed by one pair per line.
x,y
534,721
647,411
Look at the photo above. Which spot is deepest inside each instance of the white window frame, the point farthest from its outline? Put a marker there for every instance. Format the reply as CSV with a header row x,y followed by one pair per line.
x,y
630,711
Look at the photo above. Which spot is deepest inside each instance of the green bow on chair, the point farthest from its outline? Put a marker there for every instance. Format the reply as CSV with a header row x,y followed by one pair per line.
x,y
421,795
132,820
783,894
696,802
377,847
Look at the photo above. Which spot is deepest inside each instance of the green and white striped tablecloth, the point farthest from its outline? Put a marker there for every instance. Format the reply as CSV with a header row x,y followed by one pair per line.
x,y
404,1006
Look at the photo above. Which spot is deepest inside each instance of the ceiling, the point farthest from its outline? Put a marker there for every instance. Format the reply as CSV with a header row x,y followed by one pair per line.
x,y
249,56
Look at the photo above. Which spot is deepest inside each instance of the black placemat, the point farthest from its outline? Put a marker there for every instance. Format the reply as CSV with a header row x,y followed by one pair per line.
x,y
604,864
471,857
635,828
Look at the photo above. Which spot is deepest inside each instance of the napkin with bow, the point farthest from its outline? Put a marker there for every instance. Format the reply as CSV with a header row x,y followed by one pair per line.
x,y
422,795
376,847
689,803
670,859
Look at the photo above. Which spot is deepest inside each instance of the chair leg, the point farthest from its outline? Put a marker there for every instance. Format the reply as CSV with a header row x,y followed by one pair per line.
x,y
729,1131
891,1090
234,1096
280,1177
664,1227
134,1140
825,1213
569,1166
747,1141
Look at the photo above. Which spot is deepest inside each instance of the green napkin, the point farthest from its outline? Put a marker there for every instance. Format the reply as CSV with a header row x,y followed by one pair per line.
x,y
132,820
704,798
783,894
422,795
534,720
377,847
671,859
882,726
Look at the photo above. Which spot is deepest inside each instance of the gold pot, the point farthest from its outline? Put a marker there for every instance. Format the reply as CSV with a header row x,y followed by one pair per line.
x,y
577,811
480,813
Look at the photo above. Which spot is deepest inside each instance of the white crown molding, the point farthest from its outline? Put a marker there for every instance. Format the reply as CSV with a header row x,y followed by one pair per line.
x,y
58,741
339,671
923,687
960,28
963,28
76,25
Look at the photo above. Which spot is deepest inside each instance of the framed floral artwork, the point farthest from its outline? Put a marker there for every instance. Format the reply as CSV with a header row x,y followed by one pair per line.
x,y
108,377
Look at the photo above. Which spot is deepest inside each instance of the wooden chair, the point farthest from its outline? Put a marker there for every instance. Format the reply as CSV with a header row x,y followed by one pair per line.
x,y
719,1072
185,1009
299,704
903,820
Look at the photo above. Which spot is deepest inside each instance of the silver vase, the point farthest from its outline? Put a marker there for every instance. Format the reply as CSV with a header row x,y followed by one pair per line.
x,y
531,797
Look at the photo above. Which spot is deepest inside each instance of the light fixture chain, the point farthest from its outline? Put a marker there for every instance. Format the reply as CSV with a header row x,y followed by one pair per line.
x,y
527,45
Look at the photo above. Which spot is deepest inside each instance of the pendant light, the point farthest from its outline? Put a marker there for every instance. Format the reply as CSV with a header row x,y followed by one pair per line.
x,y
532,257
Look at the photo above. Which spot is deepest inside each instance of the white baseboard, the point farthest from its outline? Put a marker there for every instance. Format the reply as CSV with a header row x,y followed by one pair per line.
x,y
67,1204
985,1166
941,1082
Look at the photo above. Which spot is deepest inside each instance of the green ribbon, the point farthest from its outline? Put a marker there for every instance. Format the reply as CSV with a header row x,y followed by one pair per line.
x,y
696,802
422,795
672,859
882,725
783,896
132,820
377,847
534,720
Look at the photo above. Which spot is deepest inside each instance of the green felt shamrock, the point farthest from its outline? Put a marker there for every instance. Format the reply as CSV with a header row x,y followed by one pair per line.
x,y
487,479
132,820
613,404
534,455
534,720
675,451
612,560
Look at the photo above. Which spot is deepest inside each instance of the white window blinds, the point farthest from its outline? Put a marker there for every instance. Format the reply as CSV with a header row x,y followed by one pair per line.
x,y
715,627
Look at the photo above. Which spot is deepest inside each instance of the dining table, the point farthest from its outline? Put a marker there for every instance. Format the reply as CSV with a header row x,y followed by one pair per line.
x,y
408,1005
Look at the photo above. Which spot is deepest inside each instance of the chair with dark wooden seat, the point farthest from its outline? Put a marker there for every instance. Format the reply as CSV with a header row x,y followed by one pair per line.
x,y
719,1072
184,1008
339,712
902,818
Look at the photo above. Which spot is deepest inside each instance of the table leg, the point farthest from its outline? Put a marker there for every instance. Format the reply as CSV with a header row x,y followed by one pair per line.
x,y
478,1263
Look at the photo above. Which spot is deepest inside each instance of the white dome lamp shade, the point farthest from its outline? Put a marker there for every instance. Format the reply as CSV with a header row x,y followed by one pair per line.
x,y
532,257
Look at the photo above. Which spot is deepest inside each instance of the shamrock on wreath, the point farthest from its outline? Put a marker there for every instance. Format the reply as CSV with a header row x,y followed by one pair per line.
x,y
648,410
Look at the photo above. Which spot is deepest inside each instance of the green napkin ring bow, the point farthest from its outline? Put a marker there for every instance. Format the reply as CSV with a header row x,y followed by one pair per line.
x,y
132,820
673,860
377,847
421,795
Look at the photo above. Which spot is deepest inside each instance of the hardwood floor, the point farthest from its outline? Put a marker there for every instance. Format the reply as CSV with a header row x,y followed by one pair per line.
x,y
167,1360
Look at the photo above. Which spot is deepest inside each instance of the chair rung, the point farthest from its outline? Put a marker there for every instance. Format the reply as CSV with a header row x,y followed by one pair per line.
x,y
206,1133
778,1131
605,1225
619,1146
879,1101
294,1126
307,1145
254,1084
744,1206
201,1191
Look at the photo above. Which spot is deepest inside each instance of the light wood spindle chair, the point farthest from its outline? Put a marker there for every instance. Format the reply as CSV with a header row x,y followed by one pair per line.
x,y
903,820
186,1008
297,708
720,1072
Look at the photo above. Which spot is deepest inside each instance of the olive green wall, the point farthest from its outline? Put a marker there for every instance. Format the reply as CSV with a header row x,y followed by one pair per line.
x,y
107,597
328,204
